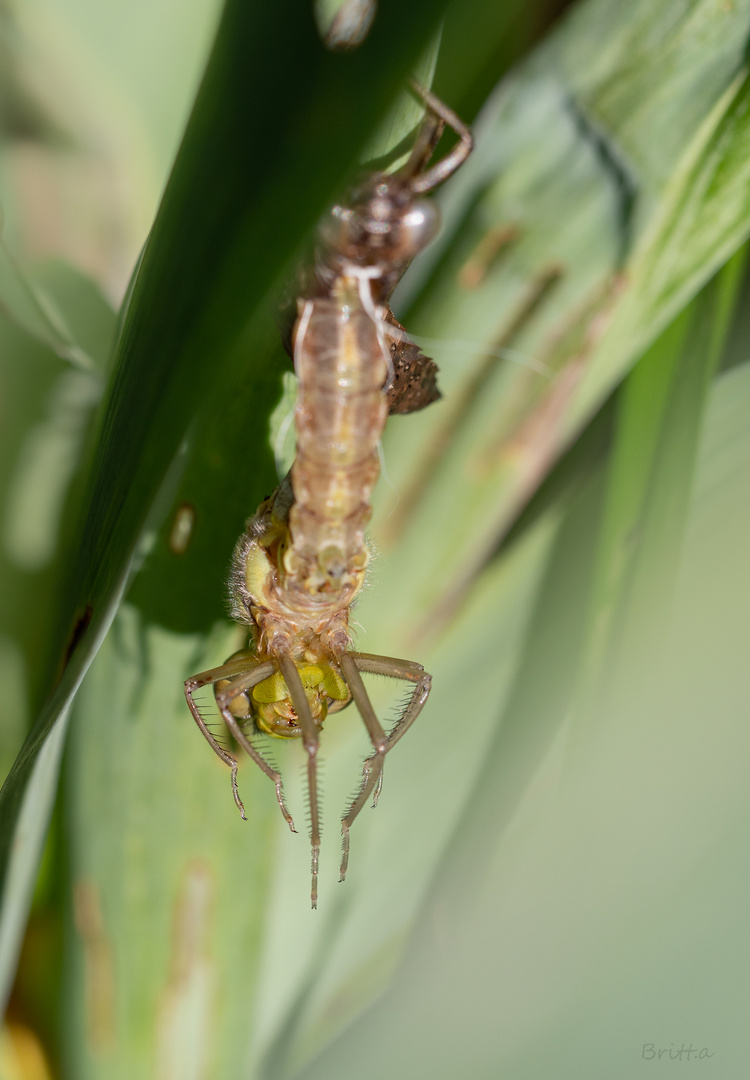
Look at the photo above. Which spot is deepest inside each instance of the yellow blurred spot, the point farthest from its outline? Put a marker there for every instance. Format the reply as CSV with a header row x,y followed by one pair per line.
x,y
182,529
21,1054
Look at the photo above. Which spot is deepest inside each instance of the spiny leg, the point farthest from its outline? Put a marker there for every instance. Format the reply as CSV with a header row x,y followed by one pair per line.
x,y
240,684
408,671
373,766
310,743
372,772
208,678
429,179
428,136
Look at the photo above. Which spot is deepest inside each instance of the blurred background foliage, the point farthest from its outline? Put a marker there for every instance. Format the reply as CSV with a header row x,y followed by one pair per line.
x,y
555,881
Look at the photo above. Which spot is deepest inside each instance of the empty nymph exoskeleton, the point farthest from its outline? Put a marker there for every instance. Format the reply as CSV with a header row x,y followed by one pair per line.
x,y
303,557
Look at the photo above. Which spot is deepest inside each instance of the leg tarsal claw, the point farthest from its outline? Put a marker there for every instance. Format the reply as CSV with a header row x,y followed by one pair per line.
x,y
236,793
344,851
378,789
314,876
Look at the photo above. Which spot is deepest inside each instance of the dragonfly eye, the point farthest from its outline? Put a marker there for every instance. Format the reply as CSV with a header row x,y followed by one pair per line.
x,y
415,229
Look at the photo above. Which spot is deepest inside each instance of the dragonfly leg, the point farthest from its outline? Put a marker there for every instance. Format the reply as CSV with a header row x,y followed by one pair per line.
x,y
310,742
240,684
428,136
372,771
408,671
425,180
240,674
208,678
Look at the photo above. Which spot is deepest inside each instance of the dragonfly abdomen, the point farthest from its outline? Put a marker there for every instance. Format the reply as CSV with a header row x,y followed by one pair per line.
x,y
341,412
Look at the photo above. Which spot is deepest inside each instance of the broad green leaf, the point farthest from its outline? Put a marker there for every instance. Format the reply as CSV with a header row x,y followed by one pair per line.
x,y
187,868
566,252
591,905
548,658
651,477
196,321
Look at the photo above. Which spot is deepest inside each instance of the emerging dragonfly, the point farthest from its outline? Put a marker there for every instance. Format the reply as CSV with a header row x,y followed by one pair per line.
x,y
303,556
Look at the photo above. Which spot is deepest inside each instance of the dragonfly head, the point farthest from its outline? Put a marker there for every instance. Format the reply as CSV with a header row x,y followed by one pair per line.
x,y
384,222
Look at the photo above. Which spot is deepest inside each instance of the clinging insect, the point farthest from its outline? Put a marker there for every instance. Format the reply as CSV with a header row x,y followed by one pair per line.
x,y
302,559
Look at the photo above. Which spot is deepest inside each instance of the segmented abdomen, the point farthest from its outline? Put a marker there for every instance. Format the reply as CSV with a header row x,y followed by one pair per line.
x,y
341,413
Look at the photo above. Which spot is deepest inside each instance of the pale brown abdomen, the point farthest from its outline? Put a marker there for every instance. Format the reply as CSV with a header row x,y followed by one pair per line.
x,y
341,413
